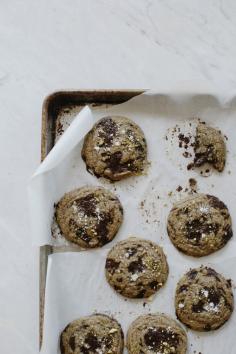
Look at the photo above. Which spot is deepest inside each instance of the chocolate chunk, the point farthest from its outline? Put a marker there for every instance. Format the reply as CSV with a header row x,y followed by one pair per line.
x,y
111,265
213,273
204,156
87,204
153,285
108,130
72,224
195,228
92,342
228,233
139,147
207,328
83,235
213,295
115,164
141,294
108,341
114,161
155,337
216,203
117,288
84,350
192,274
183,288
136,266
102,228
199,307
131,251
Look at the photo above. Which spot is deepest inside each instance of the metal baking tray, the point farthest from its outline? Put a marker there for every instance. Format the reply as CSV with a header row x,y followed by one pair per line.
x,y
54,107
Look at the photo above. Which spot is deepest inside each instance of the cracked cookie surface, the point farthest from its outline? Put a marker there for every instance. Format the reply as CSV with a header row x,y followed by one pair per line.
x,y
204,299
115,148
93,334
156,333
89,216
209,147
136,268
199,225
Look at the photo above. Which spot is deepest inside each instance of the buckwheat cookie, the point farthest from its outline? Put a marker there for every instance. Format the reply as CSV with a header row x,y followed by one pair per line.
x,y
156,333
89,216
209,147
204,299
115,148
92,334
136,268
199,225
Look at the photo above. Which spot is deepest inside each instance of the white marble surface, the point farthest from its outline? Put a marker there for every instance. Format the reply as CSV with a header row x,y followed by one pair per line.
x,y
54,44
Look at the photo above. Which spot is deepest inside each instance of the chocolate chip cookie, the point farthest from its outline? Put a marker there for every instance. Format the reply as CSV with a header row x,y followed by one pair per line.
x,y
199,225
204,299
89,216
136,268
209,147
93,334
156,333
115,148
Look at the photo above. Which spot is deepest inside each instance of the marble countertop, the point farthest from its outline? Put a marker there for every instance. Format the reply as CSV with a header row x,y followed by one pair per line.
x,y
54,44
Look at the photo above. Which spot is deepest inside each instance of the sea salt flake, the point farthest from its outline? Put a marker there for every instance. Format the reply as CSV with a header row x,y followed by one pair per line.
x,y
204,209
211,307
134,277
205,292
113,330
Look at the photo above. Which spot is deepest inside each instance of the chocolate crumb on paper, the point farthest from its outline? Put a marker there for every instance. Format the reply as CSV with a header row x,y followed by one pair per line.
x,y
181,136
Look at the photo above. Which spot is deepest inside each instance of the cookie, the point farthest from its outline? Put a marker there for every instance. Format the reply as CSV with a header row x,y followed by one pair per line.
x,y
89,216
92,334
209,147
136,268
156,333
115,148
199,225
204,299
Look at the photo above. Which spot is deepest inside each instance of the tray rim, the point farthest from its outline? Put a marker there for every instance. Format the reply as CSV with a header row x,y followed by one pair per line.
x,y
48,100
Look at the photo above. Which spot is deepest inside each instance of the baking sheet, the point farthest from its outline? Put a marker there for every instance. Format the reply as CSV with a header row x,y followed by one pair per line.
x,y
161,117
70,290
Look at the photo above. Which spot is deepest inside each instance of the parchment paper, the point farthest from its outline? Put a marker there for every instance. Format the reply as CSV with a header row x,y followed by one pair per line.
x,y
75,283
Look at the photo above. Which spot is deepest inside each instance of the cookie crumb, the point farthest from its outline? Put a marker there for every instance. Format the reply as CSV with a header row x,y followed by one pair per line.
x,y
60,129
190,166
193,185
179,189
